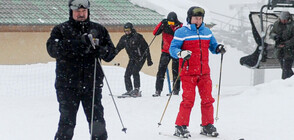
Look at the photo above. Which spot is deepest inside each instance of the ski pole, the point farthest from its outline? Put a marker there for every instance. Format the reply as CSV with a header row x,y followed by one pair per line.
x,y
147,48
124,129
171,94
94,89
93,97
219,85
168,81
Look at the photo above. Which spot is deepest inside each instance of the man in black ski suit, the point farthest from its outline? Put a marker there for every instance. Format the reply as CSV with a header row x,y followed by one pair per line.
x,y
138,51
71,44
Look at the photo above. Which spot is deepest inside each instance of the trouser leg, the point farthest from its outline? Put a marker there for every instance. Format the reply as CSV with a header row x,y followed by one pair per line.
x,y
205,88
175,70
163,63
136,73
128,73
68,106
287,68
189,85
99,127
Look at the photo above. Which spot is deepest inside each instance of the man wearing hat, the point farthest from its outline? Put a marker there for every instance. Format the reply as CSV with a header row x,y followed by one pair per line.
x,y
72,45
138,51
191,45
167,28
283,34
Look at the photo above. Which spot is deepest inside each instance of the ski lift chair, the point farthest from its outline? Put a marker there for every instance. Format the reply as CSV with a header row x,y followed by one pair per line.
x,y
264,55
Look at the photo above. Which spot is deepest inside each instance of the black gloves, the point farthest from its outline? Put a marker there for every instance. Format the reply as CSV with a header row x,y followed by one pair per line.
x,y
149,62
221,49
164,22
93,46
101,51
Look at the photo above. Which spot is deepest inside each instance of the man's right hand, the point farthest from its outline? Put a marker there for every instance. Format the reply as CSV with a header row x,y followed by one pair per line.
x,y
87,39
185,54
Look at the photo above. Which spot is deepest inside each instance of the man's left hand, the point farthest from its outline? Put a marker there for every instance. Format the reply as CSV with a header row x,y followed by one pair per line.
x,y
149,62
221,49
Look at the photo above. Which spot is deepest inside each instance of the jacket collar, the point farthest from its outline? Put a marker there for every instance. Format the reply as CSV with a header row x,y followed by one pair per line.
x,y
193,26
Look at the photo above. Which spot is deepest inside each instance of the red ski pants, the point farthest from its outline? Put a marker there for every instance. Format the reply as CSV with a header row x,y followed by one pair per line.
x,y
204,85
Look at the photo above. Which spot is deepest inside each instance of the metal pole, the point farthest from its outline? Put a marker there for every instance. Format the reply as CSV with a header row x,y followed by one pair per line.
x,y
171,94
219,85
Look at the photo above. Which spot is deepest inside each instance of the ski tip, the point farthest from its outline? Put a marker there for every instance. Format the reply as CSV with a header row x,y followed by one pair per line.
x,y
125,130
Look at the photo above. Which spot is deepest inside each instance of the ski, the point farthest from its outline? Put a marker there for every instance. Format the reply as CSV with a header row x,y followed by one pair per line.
x,y
128,96
214,134
171,136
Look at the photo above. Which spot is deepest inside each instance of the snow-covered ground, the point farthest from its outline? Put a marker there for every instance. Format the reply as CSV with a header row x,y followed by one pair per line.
x,y
29,109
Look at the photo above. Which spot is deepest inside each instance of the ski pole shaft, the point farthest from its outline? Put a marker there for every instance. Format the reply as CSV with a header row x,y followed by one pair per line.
x,y
145,51
219,85
93,98
124,129
171,94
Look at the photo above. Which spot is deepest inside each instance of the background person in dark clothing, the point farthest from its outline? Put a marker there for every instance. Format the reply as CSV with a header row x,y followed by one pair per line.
x,y
167,27
138,51
283,34
70,45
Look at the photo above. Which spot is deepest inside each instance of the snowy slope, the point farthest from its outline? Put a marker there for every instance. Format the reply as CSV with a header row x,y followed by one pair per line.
x,y
29,109
31,113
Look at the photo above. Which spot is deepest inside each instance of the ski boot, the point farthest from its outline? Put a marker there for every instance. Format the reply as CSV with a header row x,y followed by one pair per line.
x,y
157,93
209,130
136,93
182,131
174,92
128,93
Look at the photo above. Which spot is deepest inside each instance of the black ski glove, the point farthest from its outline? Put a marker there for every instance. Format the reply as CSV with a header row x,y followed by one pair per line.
x,y
101,51
87,40
149,62
221,49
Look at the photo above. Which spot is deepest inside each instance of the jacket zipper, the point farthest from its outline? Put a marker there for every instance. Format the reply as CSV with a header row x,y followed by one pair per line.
x,y
200,51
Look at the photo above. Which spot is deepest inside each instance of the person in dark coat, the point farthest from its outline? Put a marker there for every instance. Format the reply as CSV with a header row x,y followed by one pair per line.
x,y
138,51
71,44
283,34
167,27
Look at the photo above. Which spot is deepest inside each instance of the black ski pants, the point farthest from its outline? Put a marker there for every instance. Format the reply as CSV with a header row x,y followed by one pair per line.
x,y
69,100
133,68
163,64
286,65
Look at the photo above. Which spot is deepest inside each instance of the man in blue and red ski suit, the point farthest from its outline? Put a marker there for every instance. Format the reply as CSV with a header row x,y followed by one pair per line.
x,y
192,42
167,27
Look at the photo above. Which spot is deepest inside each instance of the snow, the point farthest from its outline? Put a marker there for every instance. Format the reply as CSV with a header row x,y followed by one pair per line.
x,y
29,109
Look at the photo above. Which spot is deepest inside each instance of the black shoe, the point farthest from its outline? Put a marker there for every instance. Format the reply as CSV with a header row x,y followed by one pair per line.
x,y
209,130
182,131
157,93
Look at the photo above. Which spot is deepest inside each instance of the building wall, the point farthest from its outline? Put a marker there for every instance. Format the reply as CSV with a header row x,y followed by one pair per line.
x,y
18,48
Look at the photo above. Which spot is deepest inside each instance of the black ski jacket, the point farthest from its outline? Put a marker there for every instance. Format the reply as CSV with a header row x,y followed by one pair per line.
x,y
135,45
75,60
